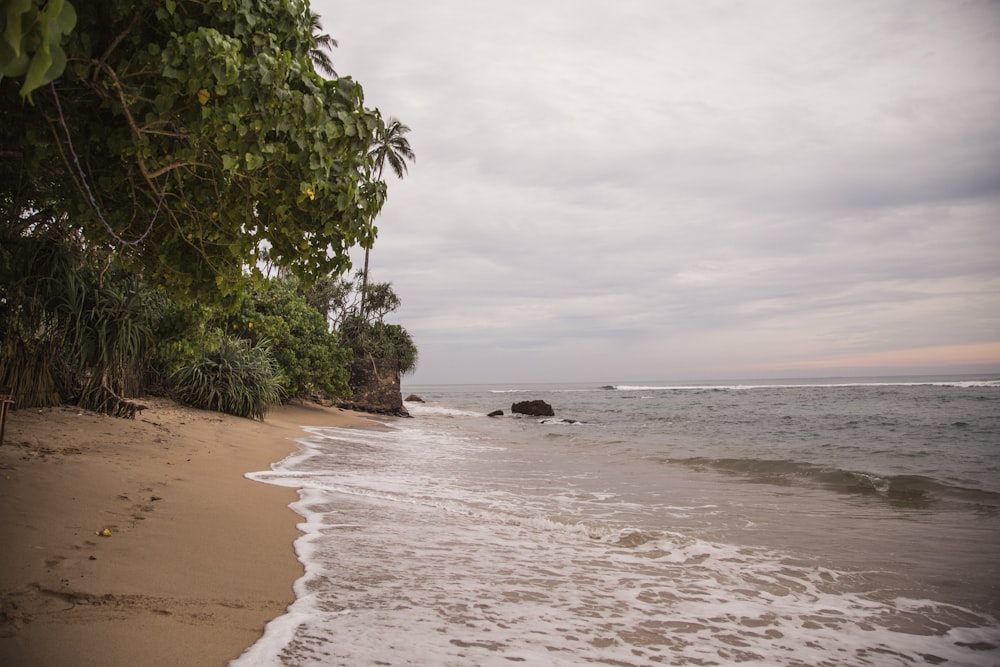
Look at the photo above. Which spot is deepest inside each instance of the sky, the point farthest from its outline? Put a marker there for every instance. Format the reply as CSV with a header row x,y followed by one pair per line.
x,y
687,190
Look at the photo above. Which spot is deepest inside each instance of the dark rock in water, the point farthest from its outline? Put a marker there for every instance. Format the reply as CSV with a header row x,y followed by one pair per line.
x,y
413,398
536,408
496,413
633,539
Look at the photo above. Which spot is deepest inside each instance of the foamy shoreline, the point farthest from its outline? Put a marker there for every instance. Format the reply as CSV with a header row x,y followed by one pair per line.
x,y
454,538
199,557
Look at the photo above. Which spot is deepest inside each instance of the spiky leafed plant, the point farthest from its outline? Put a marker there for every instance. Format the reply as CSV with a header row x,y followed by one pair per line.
x,y
33,269
238,378
109,337
70,328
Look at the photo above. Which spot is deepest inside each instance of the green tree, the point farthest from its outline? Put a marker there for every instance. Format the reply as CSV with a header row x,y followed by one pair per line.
x,y
277,313
191,138
330,295
154,154
371,337
390,146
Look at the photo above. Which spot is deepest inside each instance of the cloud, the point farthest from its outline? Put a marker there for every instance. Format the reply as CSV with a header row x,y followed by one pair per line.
x,y
653,190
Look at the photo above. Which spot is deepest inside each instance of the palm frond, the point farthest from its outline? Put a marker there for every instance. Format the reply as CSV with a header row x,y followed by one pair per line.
x,y
323,44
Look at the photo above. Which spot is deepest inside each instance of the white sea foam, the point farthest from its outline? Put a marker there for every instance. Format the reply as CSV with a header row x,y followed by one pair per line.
x,y
408,586
544,389
439,542
430,545
417,409
562,422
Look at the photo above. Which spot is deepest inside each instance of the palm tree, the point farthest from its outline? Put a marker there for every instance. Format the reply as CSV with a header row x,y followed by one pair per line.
x,y
391,146
324,44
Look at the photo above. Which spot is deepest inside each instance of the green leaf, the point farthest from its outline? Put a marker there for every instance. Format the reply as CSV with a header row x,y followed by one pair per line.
x,y
10,64
65,20
12,34
40,64
28,29
254,161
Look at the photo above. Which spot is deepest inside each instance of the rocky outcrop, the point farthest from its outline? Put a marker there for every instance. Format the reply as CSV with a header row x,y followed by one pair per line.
x,y
376,388
413,398
536,408
496,413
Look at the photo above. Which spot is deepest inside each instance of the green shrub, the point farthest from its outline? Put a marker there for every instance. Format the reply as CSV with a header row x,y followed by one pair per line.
x,y
72,328
378,340
366,334
307,353
239,378
109,340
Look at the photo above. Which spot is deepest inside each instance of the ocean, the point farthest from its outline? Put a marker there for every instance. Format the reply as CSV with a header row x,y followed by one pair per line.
x,y
807,522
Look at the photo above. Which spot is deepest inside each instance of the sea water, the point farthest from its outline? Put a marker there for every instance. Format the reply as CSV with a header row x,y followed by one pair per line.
x,y
823,522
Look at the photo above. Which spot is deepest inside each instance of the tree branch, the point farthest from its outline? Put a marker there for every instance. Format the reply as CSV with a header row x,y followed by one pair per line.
x,y
118,39
177,165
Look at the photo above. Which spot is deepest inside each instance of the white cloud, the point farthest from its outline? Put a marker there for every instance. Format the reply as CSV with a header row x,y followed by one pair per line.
x,y
655,190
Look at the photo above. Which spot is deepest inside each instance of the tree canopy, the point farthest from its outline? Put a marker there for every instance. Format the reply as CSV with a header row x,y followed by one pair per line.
x,y
189,138
154,155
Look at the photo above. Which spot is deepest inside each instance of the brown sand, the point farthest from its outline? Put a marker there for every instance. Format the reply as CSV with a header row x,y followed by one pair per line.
x,y
199,557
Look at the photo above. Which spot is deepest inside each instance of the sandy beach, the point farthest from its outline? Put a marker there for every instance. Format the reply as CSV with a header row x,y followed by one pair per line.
x,y
141,542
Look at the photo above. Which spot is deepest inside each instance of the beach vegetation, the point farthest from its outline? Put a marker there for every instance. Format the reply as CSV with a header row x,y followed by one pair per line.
x,y
157,162
392,147
305,349
238,378
185,333
109,339
32,271
73,327
380,341
192,139
366,333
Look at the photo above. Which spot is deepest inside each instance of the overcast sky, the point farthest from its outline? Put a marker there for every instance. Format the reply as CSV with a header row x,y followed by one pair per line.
x,y
667,190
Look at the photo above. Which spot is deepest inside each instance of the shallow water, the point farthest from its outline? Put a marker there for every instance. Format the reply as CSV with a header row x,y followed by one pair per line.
x,y
794,525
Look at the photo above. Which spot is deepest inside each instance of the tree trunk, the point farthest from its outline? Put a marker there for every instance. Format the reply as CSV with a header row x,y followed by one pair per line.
x,y
364,287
